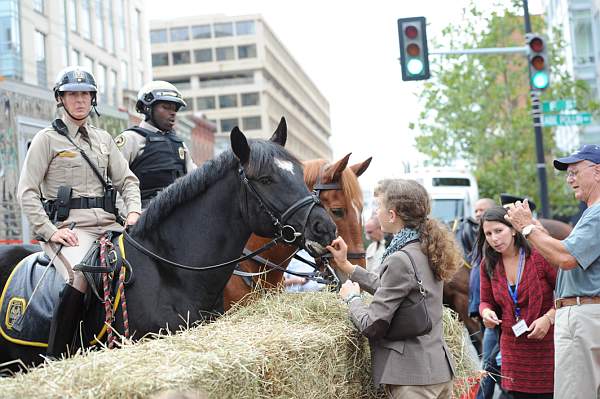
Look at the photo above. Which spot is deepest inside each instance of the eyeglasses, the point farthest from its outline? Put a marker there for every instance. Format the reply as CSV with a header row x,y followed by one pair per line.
x,y
574,173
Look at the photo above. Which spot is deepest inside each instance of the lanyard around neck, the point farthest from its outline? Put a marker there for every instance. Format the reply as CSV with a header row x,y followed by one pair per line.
x,y
514,293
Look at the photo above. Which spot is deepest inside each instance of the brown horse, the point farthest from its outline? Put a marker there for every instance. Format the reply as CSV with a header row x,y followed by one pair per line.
x,y
340,194
456,291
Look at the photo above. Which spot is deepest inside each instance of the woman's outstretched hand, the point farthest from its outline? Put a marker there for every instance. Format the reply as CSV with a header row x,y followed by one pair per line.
x,y
349,288
339,250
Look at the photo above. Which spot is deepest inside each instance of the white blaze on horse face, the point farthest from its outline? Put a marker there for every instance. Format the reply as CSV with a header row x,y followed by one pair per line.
x,y
285,165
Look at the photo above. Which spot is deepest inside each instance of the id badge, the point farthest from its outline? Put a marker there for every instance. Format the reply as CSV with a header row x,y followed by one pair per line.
x,y
519,328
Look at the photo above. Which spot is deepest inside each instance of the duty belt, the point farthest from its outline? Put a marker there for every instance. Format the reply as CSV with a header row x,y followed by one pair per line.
x,y
86,203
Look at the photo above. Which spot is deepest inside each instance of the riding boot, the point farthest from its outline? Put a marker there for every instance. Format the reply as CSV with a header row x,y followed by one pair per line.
x,y
65,321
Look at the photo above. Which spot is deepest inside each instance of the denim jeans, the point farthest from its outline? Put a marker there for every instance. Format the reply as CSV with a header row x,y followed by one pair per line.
x,y
490,350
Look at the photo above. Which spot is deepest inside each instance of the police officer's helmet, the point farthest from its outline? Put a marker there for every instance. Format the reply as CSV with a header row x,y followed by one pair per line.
x,y
157,90
75,78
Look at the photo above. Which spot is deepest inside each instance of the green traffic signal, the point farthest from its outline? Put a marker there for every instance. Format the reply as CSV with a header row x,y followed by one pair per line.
x,y
540,80
414,56
414,66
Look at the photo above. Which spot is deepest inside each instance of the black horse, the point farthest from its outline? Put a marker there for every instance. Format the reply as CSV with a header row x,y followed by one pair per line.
x,y
204,219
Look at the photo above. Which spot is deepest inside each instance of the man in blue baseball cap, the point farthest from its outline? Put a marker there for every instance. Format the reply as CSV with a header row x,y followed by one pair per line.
x,y
577,293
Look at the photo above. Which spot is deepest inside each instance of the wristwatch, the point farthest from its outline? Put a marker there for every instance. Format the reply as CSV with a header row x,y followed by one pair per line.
x,y
527,230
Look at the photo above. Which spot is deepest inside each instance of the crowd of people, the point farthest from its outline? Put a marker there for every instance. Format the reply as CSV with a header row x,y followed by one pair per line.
x,y
538,298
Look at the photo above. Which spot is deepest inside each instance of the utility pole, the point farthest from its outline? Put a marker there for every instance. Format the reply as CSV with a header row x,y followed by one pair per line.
x,y
537,128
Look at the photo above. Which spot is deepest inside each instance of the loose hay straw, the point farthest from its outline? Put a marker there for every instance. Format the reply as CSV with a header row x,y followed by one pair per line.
x,y
280,346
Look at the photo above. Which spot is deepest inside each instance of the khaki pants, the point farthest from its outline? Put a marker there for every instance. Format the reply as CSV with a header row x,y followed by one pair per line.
x,y
434,391
577,352
71,256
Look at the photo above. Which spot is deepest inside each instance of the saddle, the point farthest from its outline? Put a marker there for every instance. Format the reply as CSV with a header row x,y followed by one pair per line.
x,y
25,320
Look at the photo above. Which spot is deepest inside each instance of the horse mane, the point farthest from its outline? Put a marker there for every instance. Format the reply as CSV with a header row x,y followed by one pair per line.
x,y
349,181
190,186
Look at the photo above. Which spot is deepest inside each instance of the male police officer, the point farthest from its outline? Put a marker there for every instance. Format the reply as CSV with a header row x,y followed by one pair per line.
x,y
58,187
155,153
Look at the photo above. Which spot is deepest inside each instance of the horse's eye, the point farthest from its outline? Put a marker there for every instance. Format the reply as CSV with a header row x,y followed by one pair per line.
x,y
338,212
266,180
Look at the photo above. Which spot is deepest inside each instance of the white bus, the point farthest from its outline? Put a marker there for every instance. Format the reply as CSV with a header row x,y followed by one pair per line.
x,y
453,192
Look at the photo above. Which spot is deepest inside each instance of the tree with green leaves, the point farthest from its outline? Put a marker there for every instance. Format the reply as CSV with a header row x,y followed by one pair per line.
x,y
477,107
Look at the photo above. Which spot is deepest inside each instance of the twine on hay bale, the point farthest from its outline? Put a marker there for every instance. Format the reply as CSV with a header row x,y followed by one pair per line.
x,y
281,346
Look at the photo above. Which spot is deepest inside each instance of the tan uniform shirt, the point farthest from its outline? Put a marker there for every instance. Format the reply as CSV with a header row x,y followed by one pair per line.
x,y
132,145
52,161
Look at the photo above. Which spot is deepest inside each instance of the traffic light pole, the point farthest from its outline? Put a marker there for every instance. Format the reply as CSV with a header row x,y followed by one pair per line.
x,y
537,128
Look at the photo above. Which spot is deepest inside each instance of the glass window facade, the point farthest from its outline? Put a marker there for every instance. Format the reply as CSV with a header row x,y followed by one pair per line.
x,y
75,57
110,34
158,36
88,64
228,101
203,55
181,57
160,59
227,125
201,32
251,123
244,28
247,51
584,42
120,10
124,75
11,63
40,58
38,5
250,99
72,15
225,53
86,19
99,38
137,33
181,84
112,86
101,78
224,29
180,34
207,102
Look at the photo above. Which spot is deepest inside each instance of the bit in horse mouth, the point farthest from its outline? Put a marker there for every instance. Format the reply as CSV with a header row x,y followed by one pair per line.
x,y
314,248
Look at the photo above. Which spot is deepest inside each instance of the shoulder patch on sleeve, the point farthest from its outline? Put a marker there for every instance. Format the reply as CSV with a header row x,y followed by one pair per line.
x,y
120,140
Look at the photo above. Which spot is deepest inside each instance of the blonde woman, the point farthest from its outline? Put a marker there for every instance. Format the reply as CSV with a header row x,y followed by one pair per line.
x,y
419,366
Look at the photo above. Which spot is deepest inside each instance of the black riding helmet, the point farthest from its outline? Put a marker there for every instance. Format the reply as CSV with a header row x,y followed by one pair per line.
x,y
75,78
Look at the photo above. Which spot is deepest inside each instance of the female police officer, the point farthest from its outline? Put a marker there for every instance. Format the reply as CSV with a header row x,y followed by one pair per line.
x,y
58,187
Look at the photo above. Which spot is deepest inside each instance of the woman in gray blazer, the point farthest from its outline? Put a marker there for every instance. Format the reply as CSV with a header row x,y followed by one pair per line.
x,y
419,367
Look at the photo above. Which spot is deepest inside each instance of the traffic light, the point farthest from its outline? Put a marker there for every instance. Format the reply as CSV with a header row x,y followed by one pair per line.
x,y
537,56
414,56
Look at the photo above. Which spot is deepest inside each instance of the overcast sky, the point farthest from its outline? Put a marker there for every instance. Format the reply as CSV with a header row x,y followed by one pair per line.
x,y
350,50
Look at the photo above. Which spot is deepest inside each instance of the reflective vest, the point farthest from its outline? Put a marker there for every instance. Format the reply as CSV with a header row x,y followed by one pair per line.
x,y
162,161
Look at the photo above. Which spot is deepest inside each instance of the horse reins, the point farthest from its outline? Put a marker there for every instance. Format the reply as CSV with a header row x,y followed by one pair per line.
x,y
285,232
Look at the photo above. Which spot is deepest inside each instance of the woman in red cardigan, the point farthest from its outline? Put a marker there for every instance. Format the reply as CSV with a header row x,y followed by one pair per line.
x,y
517,283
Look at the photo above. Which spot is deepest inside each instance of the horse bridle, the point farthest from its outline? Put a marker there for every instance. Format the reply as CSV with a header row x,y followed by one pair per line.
x,y
285,232
316,276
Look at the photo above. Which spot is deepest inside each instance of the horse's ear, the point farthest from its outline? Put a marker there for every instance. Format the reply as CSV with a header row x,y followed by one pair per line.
x,y
360,168
334,171
280,135
240,146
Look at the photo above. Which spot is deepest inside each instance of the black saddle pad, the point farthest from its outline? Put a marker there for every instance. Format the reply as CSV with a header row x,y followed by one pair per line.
x,y
22,317
26,321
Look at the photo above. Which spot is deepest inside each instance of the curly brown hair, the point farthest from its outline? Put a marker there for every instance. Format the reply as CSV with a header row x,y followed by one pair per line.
x,y
411,203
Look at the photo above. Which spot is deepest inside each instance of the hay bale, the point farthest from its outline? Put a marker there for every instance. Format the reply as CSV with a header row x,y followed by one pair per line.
x,y
281,346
